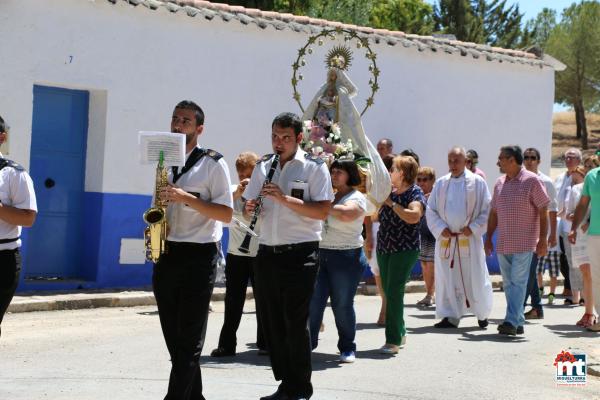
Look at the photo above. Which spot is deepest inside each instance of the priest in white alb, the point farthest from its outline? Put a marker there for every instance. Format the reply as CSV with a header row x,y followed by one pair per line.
x,y
457,213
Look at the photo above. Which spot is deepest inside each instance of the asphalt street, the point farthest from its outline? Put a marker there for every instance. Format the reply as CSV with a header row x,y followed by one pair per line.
x,y
119,353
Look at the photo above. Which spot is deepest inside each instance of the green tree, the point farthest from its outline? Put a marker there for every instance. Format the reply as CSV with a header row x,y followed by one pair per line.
x,y
576,42
410,16
482,21
541,27
355,12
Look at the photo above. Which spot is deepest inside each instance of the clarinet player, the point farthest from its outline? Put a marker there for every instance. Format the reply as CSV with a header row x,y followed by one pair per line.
x,y
295,203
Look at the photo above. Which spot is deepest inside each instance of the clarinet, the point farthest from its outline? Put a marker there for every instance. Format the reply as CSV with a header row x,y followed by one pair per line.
x,y
245,246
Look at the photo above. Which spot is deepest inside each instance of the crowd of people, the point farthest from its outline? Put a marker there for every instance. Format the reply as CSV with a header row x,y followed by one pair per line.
x,y
315,241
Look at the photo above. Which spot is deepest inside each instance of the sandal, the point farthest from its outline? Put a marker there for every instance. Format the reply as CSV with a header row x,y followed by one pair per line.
x,y
427,301
568,302
586,321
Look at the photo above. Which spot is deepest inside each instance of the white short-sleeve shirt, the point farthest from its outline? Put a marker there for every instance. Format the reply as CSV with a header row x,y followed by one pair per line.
x,y
341,235
302,176
210,180
16,190
237,234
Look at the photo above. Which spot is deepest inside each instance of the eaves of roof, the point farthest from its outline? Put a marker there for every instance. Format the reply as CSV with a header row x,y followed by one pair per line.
x,y
303,24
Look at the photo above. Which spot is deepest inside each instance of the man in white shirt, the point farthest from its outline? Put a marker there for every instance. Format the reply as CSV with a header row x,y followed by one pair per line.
x,y
457,213
18,208
531,160
296,201
199,201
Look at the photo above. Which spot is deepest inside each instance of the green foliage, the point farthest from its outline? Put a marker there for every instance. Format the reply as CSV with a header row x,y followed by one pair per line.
x,y
491,22
355,12
576,42
411,16
541,27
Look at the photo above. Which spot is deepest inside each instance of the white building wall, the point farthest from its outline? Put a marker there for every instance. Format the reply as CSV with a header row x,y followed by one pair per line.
x,y
138,63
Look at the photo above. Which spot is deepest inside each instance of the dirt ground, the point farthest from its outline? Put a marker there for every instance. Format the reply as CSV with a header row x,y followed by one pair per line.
x,y
563,135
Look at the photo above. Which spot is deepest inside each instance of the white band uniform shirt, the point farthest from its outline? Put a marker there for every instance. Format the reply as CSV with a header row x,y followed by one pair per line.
x,y
210,180
307,177
341,235
237,234
16,190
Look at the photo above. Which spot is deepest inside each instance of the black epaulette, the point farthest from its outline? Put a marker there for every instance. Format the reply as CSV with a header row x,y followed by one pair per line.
x,y
9,163
313,158
266,157
215,155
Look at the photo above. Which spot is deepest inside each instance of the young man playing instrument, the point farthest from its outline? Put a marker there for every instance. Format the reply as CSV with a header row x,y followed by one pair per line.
x,y
296,201
199,200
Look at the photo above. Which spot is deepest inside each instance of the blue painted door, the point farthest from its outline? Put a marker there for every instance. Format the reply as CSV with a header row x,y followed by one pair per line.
x,y
58,146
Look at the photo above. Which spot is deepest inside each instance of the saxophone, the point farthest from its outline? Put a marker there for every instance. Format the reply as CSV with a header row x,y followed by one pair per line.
x,y
155,234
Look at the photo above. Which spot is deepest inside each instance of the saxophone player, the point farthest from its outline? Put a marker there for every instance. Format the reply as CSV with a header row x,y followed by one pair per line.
x,y
295,203
199,201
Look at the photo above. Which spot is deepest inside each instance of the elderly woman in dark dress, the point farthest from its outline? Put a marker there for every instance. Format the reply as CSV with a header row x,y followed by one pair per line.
x,y
398,245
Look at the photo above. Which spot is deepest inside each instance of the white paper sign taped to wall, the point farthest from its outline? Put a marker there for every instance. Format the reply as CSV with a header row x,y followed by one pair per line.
x,y
171,144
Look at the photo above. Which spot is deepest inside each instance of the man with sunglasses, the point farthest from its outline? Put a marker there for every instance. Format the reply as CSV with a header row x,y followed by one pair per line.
x,y
531,160
519,210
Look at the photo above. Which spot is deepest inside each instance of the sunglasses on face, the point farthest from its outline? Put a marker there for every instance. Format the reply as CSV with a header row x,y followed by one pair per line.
x,y
532,158
422,179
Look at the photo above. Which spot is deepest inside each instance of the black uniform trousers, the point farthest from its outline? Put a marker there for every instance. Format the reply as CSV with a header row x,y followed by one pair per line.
x,y
285,281
10,268
238,272
183,283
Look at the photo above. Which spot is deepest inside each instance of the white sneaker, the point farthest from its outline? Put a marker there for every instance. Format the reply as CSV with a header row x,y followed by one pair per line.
x,y
347,357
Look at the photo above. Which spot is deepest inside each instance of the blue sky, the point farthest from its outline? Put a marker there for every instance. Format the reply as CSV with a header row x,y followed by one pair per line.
x,y
532,7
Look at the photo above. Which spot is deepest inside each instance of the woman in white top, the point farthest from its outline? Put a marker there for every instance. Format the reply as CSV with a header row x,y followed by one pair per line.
x,y
579,257
341,259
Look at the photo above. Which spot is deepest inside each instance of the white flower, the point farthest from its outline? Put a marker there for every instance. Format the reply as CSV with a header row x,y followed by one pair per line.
x,y
328,140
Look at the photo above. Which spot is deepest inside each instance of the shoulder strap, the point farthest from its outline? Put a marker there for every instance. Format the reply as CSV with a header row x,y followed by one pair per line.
x,y
196,155
9,163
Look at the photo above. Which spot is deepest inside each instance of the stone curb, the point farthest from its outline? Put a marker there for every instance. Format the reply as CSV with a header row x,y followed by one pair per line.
x,y
76,301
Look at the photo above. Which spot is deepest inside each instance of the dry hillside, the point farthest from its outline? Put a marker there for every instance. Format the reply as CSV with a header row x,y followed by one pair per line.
x,y
563,134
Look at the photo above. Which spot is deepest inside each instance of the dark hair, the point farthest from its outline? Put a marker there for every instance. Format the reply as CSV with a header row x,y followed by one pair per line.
x,y
288,120
536,151
472,154
410,153
388,161
3,126
351,169
190,105
514,152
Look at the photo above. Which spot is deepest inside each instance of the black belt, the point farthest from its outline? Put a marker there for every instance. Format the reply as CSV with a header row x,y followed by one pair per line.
x,y
171,244
2,241
283,248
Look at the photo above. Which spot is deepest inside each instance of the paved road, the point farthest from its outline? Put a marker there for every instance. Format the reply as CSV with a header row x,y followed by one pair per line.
x,y
114,354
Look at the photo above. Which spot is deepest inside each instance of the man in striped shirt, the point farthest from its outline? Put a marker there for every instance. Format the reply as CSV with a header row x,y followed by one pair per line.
x,y
519,210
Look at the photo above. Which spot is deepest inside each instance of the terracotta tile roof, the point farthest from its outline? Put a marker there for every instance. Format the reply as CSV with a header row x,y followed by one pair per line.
x,y
305,24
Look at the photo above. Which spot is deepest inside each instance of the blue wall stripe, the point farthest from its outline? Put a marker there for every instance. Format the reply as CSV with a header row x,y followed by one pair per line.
x,y
110,217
